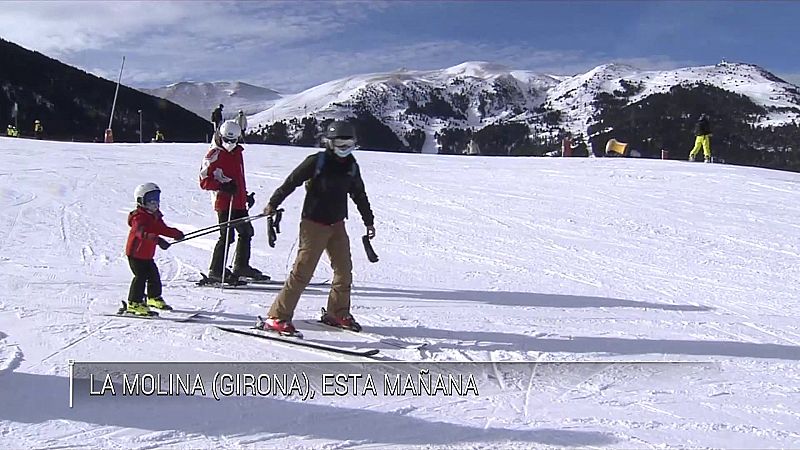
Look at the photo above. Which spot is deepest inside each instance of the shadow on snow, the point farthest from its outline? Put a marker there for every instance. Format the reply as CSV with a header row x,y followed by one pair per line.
x,y
35,399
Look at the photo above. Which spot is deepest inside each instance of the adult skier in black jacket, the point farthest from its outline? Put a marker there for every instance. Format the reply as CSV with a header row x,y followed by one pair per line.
x,y
330,176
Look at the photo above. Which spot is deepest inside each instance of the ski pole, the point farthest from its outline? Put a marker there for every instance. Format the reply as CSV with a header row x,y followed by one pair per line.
x,y
216,228
234,221
227,236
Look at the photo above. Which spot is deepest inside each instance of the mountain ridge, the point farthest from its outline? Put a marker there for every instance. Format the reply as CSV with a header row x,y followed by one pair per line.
x,y
202,97
73,104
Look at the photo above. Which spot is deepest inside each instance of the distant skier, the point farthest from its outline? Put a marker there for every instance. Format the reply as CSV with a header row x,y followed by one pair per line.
x,y
223,171
330,176
241,119
159,137
216,117
702,131
38,129
147,225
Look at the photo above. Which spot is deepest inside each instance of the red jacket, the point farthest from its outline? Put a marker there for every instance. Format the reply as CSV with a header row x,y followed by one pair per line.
x,y
220,166
145,229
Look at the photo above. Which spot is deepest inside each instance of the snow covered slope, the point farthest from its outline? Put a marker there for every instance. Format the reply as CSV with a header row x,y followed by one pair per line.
x,y
202,98
579,266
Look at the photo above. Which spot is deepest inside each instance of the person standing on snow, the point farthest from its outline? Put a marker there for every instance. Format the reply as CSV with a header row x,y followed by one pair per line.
x,y
702,132
241,119
223,171
147,227
216,117
330,176
38,129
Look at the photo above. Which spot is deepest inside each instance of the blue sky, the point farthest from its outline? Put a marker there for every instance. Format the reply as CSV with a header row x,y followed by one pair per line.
x,y
291,46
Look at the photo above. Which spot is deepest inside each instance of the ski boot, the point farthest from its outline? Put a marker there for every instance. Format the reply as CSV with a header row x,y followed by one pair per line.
x,y
282,327
231,279
708,160
138,309
158,303
347,322
251,273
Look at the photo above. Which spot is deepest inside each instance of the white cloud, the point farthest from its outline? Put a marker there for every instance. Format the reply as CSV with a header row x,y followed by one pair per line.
x,y
171,41
288,46
72,26
61,27
332,64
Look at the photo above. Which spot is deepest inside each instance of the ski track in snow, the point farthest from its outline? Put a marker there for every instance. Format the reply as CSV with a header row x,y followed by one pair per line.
x,y
651,304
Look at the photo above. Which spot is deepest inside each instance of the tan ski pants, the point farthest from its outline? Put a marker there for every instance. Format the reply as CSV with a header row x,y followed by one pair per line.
x,y
314,239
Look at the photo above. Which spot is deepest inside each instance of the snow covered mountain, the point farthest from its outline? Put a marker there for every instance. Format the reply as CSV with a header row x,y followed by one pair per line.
x,y
474,96
643,303
202,98
576,97
469,95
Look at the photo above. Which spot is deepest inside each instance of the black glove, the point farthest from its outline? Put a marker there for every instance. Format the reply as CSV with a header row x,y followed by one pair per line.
x,y
180,235
229,187
277,224
271,231
163,243
251,200
371,255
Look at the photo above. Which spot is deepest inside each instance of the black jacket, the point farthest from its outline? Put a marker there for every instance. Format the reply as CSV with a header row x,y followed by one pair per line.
x,y
326,193
216,115
702,127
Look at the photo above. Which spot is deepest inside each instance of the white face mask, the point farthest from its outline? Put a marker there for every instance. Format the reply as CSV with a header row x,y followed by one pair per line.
x,y
343,147
229,146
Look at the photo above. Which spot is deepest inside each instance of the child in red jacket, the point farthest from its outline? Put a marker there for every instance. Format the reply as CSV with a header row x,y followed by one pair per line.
x,y
147,227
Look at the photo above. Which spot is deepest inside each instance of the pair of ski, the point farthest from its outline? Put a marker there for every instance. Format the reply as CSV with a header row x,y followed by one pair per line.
x,y
166,314
182,316
297,339
245,281
187,316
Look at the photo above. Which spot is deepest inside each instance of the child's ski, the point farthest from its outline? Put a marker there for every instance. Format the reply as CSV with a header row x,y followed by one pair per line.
x,y
154,315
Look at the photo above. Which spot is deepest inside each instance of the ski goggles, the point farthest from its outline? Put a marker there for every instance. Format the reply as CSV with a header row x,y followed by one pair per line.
x,y
151,197
343,142
151,200
229,140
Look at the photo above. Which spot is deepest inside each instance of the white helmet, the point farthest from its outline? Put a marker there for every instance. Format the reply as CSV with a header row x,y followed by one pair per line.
x,y
229,134
147,196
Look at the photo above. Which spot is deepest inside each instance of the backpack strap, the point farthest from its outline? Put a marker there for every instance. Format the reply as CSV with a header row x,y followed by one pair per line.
x,y
320,163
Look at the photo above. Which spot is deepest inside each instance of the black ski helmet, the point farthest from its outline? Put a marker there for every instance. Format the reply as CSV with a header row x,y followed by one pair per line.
x,y
340,129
